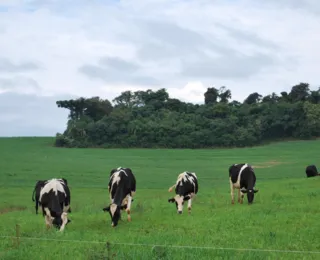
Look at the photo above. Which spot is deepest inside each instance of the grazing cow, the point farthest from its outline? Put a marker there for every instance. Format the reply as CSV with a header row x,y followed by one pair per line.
x,y
121,187
36,192
312,171
186,188
242,177
37,189
55,202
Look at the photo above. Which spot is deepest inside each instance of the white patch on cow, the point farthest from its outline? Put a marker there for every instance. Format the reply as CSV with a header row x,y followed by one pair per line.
x,y
179,200
237,184
66,208
184,176
113,208
115,178
54,185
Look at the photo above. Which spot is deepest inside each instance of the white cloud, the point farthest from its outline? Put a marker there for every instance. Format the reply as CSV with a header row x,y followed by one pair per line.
x,y
54,47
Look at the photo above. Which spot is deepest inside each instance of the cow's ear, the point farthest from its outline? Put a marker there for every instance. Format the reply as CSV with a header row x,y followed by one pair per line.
x,y
243,190
186,198
124,206
255,191
106,209
171,200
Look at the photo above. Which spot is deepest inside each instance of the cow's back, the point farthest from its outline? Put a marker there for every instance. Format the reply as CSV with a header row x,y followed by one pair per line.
x,y
53,194
247,176
127,180
234,171
195,179
188,183
311,171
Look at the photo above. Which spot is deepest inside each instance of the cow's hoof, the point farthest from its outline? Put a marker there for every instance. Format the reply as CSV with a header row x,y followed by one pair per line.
x,y
232,202
129,218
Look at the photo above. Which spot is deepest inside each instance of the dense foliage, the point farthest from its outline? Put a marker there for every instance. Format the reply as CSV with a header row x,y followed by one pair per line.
x,y
153,119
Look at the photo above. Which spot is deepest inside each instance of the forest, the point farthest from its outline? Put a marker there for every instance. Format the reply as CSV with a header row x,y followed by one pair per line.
x,y
151,119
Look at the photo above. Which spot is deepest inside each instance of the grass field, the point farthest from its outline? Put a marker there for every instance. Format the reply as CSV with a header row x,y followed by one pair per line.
x,y
284,216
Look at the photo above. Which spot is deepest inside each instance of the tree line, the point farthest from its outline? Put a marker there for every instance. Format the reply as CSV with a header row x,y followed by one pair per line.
x,y
151,119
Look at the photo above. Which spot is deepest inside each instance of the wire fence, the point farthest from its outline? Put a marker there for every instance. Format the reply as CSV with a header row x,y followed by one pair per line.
x,y
18,238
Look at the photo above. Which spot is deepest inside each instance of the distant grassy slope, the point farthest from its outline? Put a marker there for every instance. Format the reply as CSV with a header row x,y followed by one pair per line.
x,y
284,215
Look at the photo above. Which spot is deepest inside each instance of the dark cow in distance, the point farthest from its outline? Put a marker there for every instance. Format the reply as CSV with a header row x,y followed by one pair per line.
x,y
55,201
36,192
186,188
121,187
312,171
242,177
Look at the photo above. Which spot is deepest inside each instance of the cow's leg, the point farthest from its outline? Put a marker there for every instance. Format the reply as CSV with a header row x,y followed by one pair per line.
x,y
189,205
48,218
64,221
232,192
242,196
66,208
239,200
129,207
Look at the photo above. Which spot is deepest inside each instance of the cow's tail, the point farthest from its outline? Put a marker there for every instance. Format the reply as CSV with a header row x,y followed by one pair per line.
x,y
171,188
33,194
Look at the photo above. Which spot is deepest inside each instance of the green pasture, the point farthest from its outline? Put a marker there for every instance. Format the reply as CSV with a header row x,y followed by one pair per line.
x,y
283,220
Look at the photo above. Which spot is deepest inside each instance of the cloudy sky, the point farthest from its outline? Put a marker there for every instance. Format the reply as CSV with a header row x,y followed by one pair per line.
x,y
60,49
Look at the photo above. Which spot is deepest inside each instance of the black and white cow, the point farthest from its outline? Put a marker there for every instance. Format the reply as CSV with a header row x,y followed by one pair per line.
x,y
121,187
36,193
243,178
55,201
312,171
186,188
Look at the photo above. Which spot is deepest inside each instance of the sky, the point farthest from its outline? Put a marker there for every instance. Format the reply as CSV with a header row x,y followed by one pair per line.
x,y
61,49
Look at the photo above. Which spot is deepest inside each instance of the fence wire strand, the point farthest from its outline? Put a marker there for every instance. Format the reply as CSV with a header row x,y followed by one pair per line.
x,y
167,246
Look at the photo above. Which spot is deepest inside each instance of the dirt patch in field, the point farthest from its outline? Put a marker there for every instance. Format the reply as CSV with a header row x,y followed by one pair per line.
x,y
267,164
7,210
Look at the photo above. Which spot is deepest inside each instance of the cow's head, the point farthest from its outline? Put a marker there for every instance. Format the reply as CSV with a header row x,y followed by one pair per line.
x,y
250,194
60,220
179,200
115,213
